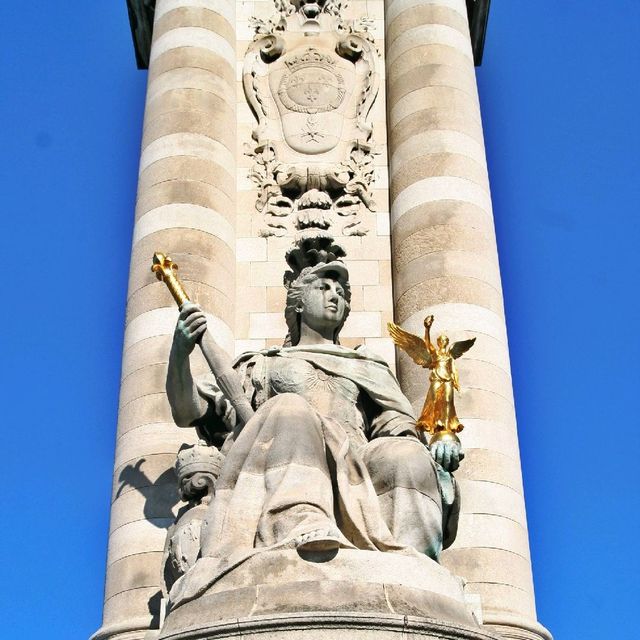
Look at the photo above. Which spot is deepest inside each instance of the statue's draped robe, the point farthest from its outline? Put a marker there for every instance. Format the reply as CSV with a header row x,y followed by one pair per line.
x,y
332,430
439,410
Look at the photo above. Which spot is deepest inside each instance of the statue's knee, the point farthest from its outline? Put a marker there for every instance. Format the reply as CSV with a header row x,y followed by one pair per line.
x,y
405,462
412,459
402,452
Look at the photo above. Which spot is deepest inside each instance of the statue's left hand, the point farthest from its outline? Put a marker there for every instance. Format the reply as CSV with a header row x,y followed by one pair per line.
x,y
448,455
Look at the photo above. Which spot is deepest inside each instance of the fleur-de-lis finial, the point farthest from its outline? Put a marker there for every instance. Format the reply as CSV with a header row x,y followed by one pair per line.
x,y
166,271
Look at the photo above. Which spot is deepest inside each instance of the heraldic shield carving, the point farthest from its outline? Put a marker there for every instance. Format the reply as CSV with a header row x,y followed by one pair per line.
x,y
311,78
310,91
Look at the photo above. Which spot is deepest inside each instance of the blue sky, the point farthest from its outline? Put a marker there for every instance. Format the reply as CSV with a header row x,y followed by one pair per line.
x,y
560,92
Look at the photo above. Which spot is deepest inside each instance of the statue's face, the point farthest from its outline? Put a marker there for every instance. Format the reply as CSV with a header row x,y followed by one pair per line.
x,y
443,341
323,304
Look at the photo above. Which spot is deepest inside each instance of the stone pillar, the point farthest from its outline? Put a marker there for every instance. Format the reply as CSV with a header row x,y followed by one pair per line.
x,y
186,208
445,263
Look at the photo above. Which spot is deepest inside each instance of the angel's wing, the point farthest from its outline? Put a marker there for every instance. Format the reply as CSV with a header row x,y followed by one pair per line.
x,y
413,345
461,347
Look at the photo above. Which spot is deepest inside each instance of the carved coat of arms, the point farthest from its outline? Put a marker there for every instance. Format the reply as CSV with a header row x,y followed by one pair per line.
x,y
310,91
311,83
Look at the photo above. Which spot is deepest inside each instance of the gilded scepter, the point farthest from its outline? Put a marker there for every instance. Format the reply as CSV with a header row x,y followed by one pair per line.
x,y
217,359
438,417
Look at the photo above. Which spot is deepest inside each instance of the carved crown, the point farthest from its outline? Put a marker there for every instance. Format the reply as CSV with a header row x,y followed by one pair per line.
x,y
199,458
311,57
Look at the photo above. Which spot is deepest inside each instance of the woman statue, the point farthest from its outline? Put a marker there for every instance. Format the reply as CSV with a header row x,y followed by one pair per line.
x,y
331,459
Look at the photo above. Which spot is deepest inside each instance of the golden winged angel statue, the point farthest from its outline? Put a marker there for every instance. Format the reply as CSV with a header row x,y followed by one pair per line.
x,y
438,415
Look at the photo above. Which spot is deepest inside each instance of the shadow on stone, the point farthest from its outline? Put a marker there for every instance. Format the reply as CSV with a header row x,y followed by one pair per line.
x,y
161,495
154,609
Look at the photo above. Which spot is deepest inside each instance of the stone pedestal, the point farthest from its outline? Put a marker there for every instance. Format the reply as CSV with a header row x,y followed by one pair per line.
x,y
328,625
343,594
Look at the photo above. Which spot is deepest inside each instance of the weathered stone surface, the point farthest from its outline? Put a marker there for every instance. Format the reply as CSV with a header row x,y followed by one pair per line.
x,y
504,599
149,439
491,565
450,288
154,296
448,263
157,502
187,167
493,532
440,188
131,610
194,122
431,97
194,37
134,572
338,626
420,14
416,70
196,249
490,466
187,144
435,141
432,165
141,475
189,57
351,582
445,264
162,322
137,537
487,434
435,33
436,118
194,16
184,191
152,351
516,627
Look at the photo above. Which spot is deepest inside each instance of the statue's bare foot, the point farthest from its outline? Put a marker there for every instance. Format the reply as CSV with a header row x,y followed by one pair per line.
x,y
319,540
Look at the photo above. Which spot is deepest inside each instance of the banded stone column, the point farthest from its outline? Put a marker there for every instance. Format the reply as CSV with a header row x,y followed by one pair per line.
x,y
445,263
186,208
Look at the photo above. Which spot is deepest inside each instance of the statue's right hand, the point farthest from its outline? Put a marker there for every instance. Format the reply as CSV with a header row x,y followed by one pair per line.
x,y
192,323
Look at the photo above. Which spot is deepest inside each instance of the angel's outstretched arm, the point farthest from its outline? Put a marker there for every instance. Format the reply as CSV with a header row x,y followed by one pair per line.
x,y
428,321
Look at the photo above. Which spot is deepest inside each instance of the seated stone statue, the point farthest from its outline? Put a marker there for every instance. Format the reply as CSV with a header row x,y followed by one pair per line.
x,y
331,459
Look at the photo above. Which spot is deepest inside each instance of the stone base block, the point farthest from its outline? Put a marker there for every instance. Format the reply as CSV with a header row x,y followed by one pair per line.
x,y
516,627
349,594
328,625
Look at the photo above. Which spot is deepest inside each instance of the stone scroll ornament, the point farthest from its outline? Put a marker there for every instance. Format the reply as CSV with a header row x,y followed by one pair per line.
x,y
311,78
438,417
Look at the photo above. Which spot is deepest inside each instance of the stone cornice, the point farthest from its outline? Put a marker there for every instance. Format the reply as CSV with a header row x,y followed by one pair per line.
x,y
478,12
141,21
